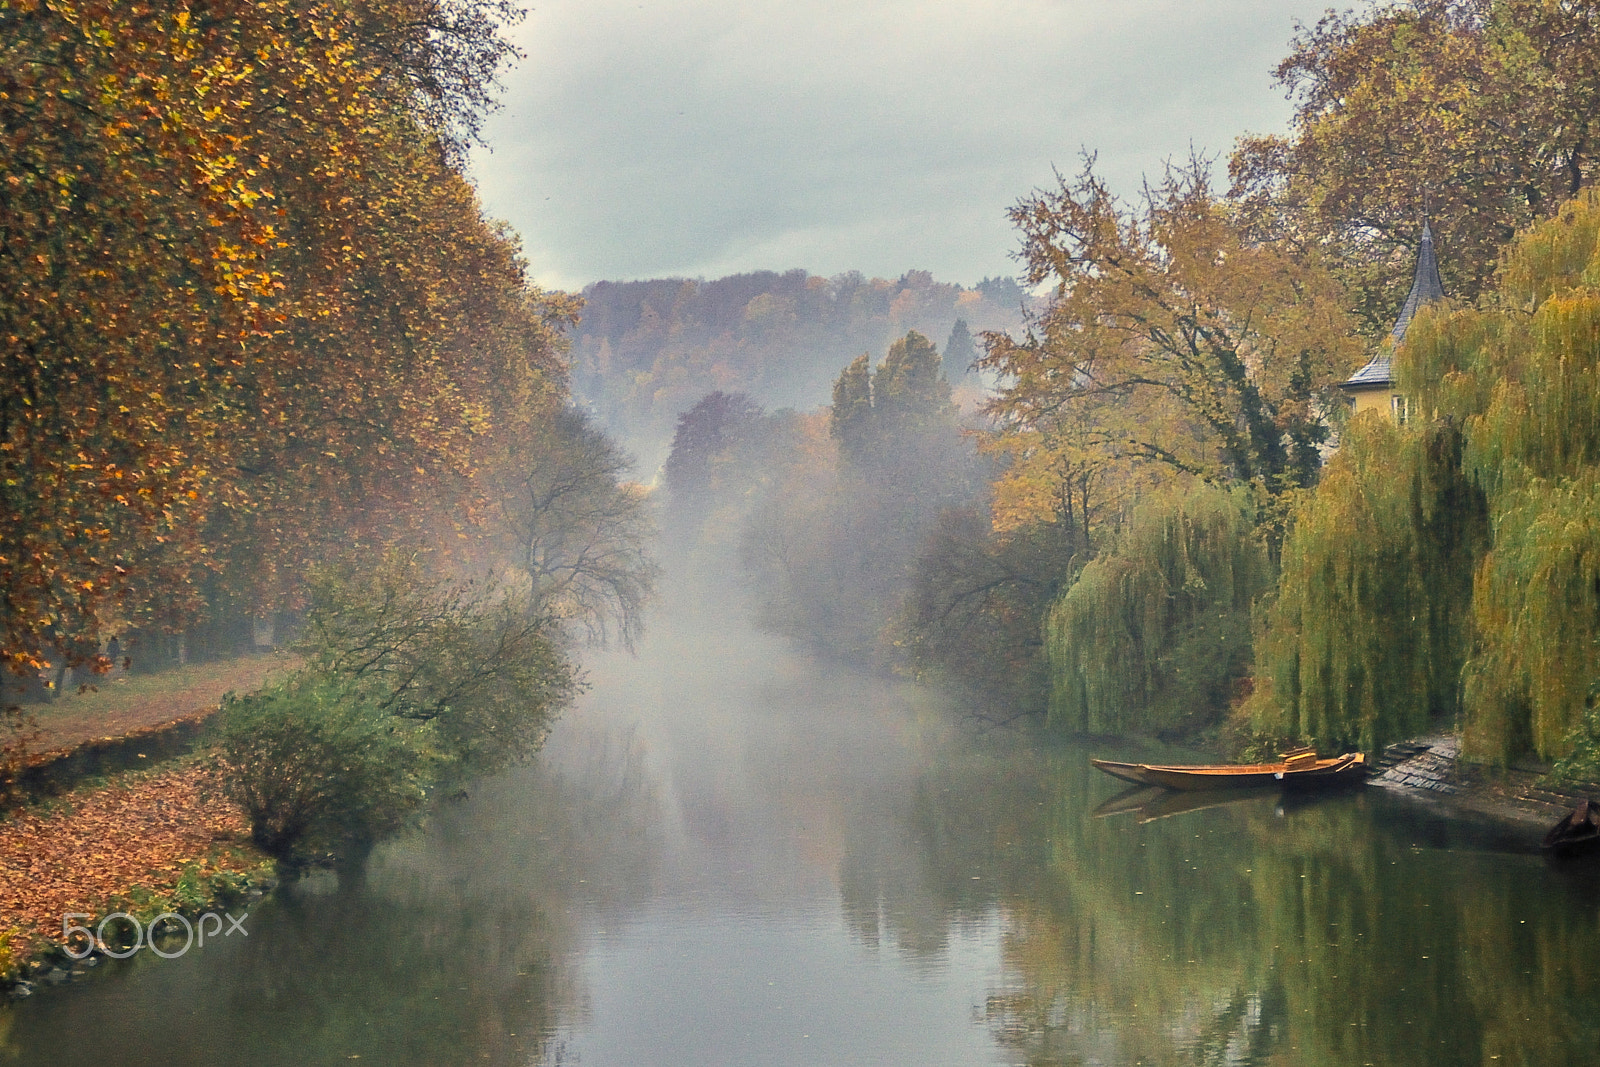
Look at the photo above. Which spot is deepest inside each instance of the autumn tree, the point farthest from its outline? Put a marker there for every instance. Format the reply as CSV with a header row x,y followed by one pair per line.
x,y
1195,349
1480,114
250,310
136,233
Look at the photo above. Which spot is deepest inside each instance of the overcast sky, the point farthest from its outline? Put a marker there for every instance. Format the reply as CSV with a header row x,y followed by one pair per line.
x,y
704,137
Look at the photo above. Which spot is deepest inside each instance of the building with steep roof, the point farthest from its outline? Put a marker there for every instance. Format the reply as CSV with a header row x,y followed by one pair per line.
x,y
1373,385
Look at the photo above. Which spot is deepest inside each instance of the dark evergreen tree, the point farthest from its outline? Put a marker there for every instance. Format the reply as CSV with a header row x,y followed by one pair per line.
x,y
959,353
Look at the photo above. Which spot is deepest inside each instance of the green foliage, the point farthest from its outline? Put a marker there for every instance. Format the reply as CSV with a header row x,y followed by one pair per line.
x,y
959,352
1526,390
1365,641
316,766
195,893
880,416
974,615
1537,609
1155,631
409,683
908,388
478,662
850,419
1582,761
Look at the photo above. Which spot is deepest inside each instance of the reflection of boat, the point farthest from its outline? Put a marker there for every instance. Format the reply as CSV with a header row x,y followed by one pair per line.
x,y
1132,799
1297,770
1150,802
1576,834
1169,803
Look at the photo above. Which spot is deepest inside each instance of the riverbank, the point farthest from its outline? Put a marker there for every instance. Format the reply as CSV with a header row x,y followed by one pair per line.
x,y
115,812
144,843
1430,770
120,705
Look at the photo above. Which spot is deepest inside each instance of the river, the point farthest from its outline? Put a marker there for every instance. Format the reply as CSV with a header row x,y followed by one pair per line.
x,y
731,853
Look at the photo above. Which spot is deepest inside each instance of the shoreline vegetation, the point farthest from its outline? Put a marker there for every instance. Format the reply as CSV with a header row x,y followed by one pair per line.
x,y
1164,517
273,377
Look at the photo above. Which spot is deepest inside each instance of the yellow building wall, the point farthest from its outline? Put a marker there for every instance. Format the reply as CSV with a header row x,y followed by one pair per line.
x,y
1384,400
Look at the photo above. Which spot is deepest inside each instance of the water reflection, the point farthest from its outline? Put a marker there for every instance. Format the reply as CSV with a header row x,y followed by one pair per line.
x,y
1349,929
456,949
732,853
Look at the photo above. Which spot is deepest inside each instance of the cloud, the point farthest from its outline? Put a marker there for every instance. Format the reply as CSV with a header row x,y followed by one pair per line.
x,y
696,138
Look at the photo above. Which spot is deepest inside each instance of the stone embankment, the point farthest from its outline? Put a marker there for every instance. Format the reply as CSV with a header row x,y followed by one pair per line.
x,y
1431,768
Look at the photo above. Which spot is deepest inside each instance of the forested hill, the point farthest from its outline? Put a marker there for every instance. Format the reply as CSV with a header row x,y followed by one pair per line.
x,y
646,351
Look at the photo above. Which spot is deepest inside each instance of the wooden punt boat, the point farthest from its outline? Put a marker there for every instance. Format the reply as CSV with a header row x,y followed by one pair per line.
x,y
1297,770
1575,835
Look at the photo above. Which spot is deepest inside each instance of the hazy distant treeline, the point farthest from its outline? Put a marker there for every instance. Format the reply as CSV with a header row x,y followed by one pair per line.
x,y
647,350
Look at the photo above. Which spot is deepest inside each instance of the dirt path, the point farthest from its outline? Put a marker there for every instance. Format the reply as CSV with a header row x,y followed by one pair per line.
x,y
125,705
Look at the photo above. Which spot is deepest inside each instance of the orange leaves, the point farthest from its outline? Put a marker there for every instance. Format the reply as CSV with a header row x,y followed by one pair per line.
x,y
166,288
98,845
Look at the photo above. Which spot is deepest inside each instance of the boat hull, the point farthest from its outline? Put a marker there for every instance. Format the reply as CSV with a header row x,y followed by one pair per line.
x,y
1318,774
1578,834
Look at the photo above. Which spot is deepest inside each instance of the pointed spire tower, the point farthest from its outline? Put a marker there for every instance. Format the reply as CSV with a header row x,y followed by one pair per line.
x,y
1373,385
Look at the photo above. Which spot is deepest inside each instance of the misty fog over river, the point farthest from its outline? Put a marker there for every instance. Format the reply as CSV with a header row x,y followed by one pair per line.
x,y
733,853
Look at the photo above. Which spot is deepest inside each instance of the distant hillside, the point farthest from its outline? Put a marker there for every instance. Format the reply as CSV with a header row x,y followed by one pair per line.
x,y
646,351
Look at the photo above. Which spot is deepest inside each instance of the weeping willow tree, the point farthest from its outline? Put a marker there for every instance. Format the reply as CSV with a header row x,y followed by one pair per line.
x,y
1523,378
1154,631
1365,641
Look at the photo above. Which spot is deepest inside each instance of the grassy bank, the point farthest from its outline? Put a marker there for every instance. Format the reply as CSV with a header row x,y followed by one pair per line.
x,y
117,704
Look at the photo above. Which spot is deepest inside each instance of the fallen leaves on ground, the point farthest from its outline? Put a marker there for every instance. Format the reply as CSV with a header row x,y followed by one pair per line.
x,y
91,847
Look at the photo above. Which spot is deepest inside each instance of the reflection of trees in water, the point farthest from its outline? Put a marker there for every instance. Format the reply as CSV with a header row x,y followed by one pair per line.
x,y
1241,934
578,826
407,981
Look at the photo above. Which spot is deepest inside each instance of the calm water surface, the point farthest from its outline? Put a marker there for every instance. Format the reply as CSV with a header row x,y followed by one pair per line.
x,y
733,854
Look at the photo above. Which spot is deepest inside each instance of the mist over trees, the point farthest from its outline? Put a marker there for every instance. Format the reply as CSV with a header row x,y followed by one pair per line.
x,y
648,350
257,331
1182,529
827,509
